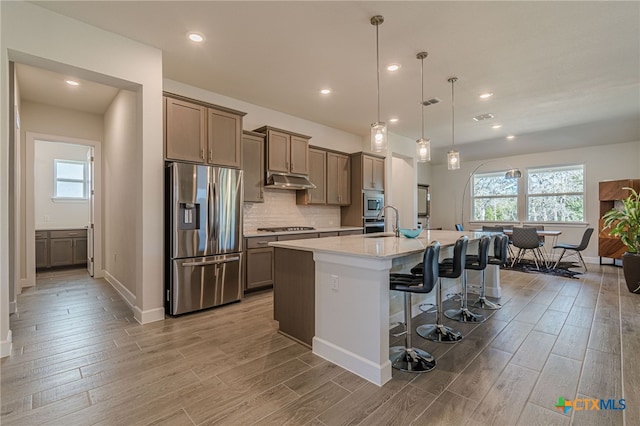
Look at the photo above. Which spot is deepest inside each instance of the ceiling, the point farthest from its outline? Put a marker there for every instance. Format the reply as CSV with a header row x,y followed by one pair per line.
x,y
563,74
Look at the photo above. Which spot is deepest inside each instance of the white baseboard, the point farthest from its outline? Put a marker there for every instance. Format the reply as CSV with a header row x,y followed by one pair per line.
x,y
24,283
143,317
5,345
128,297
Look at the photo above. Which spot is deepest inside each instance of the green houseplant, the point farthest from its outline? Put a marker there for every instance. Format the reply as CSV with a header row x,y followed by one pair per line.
x,y
625,223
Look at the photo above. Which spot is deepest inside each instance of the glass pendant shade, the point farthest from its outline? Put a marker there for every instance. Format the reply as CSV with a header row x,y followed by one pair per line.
x,y
378,137
423,150
453,160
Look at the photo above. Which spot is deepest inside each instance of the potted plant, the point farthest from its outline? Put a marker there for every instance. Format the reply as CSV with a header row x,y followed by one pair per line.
x,y
625,223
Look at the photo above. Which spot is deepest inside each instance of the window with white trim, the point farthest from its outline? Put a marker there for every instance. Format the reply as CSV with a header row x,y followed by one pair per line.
x,y
494,198
555,194
70,179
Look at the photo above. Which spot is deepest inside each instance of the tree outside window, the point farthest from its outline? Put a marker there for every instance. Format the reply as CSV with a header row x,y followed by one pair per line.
x,y
555,194
494,198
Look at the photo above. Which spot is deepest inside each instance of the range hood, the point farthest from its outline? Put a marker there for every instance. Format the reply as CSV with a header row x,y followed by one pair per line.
x,y
288,181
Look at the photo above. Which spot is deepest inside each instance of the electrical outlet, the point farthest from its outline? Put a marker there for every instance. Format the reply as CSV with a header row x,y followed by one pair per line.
x,y
334,282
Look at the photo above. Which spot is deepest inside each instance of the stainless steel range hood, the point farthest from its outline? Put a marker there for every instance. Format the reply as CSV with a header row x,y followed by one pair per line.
x,y
288,181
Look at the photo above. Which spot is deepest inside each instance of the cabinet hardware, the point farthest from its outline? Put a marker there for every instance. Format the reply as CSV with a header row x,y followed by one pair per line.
x,y
262,242
202,153
210,155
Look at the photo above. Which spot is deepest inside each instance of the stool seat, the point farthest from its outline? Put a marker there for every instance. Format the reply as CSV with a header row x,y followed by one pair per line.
x,y
438,332
408,358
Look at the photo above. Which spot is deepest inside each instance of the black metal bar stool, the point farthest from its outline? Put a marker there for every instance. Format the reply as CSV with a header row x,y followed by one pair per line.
x,y
476,262
408,358
500,257
439,332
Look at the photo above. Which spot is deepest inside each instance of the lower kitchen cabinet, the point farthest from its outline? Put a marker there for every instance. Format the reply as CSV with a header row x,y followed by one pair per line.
x,y
259,268
61,248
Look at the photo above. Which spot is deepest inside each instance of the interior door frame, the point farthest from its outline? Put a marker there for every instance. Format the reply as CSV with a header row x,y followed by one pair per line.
x,y
29,213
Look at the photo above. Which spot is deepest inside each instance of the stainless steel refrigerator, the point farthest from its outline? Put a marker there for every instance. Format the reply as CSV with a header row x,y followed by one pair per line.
x,y
203,238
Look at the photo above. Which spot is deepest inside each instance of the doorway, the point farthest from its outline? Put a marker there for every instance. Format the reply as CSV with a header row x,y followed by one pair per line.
x,y
53,213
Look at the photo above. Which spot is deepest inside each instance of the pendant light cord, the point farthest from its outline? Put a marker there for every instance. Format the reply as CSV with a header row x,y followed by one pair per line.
x,y
453,115
378,69
422,94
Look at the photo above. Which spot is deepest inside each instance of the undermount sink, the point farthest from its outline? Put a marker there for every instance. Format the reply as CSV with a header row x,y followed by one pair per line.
x,y
380,235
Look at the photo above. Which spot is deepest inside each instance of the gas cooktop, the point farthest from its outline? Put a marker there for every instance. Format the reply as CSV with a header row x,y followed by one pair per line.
x,y
287,228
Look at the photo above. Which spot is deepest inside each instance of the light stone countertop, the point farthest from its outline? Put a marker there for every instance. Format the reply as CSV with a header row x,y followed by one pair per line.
x,y
375,246
250,234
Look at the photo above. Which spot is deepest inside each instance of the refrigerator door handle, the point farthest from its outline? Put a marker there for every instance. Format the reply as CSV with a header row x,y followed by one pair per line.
x,y
212,262
210,215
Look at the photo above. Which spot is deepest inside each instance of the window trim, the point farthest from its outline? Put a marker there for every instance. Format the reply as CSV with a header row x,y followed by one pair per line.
x,y
84,182
527,195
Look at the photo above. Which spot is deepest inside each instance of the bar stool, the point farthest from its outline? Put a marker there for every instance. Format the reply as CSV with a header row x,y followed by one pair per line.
x,y
500,258
439,332
408,358
477,263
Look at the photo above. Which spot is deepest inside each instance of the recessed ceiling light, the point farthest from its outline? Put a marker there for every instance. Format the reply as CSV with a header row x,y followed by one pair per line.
x,y
393,67
496,126
195,37
510,137
393,120
72,83
325,91
486,95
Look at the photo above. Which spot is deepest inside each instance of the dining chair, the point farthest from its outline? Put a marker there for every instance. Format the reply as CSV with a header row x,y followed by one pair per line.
x,y
459,227
526,239
492,228
575,248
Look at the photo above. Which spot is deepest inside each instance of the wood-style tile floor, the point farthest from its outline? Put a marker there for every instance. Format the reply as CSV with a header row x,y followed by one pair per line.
x,y
79,358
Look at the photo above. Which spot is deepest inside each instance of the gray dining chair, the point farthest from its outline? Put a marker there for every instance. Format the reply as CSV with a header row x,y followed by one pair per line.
x,y
526,239
575,249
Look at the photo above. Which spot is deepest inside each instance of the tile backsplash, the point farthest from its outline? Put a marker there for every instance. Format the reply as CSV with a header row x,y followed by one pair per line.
x,y
280,209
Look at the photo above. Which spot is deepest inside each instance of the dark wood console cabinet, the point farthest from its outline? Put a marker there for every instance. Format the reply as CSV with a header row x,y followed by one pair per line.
x,y
610,192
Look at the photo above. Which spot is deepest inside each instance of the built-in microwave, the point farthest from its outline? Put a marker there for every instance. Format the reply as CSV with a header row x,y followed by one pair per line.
x,y
373,202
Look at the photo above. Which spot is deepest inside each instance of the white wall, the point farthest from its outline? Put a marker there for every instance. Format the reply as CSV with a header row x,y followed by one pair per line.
x,y
50,214
122,184
606,162
38,37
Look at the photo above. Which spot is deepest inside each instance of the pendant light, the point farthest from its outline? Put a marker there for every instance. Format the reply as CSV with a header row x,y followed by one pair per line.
x,y
423,147
453,156
379,128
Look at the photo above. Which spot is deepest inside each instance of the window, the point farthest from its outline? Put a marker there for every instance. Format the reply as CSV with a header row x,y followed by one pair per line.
x,y
494,198
555,194
70,179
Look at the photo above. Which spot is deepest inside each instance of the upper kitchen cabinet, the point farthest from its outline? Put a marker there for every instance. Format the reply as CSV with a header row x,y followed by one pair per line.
x,y
287,152
338,179
202,133
317,176
253,166
372,172
185,130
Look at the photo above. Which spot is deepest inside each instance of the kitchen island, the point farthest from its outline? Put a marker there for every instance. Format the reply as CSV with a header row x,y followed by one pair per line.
x,y
348,278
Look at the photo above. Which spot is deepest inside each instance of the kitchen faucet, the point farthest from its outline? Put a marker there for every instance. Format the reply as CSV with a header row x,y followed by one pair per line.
x,y
396,229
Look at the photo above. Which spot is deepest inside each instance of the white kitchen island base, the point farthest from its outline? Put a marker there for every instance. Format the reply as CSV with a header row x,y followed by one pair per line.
x,y
352,314
352,296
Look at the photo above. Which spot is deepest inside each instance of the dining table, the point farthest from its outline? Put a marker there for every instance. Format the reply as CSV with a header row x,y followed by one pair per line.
x,y
548,254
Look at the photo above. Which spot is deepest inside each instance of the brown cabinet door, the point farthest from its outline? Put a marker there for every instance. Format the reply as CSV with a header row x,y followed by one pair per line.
x,y
253,166
223,138
373,173
317,176
378,174
278,151
185,130
61,253
259,268
79,251
338,179
299,156
42,253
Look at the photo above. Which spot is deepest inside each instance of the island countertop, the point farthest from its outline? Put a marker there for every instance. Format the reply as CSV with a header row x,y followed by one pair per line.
x,y
380,246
